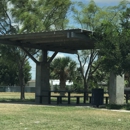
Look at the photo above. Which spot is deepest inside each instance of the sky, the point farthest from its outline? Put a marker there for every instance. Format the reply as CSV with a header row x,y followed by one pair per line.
x,y
100,3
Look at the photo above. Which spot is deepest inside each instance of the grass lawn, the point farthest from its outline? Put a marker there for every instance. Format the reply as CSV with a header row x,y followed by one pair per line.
x,y
15,116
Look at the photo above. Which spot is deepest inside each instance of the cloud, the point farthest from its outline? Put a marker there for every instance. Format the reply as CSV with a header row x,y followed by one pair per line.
x,y
61,55
108,1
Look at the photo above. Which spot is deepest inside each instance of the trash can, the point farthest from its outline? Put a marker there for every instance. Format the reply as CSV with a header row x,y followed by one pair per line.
x,y
97,97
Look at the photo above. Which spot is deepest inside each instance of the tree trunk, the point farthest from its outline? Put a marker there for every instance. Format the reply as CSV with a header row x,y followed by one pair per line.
x,y
22,97
62,86
86,89
21,82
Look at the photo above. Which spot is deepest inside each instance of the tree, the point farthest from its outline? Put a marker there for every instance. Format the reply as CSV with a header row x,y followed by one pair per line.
x,y
99,78
89,17
86,59
13,54
114,44
113,41
126,25
40,15
63,69
6,26
8,75
9,72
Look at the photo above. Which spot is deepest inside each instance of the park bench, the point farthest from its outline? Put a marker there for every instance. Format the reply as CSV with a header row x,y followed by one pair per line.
x,y
69,95
77,97
60,97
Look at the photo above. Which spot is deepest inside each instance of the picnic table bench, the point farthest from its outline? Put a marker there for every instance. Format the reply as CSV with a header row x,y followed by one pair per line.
x,y
59,99
76,96
71,94
68,96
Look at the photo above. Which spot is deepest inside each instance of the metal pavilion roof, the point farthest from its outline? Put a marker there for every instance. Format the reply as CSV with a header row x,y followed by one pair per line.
x,y
68,41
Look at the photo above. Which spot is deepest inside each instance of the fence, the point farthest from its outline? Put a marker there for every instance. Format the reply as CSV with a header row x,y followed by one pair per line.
x,y
16,89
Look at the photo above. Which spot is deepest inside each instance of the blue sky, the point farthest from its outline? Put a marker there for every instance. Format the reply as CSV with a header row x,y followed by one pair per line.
x,y
100,3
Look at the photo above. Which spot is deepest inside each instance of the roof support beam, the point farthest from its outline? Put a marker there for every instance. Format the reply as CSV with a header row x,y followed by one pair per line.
x,y
8,42
29,55
52,57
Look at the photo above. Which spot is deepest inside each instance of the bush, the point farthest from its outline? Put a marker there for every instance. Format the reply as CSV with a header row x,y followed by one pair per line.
x,y
113,106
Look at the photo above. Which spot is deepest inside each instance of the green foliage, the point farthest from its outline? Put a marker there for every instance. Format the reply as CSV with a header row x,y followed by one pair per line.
x,y
88,15
8,75
117,107
87,68
113,106
77,86
63,69
109,49
6,26
26,70
99,79
40,15
9,72
114,43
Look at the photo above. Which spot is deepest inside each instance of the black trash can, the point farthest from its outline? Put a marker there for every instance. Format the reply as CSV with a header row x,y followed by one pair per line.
x,y
97,97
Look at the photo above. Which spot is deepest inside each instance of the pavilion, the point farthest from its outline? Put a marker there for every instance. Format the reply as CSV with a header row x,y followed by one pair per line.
x,y
66,41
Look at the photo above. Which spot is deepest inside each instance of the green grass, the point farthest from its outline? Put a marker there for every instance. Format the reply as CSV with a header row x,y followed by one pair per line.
x,y
14,116
15,97
33,117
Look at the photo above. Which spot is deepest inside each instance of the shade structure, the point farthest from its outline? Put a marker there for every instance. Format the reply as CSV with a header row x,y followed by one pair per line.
x,y
67,41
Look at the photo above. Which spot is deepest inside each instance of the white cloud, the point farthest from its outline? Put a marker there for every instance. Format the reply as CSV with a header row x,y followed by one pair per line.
x,y
108,1
60,55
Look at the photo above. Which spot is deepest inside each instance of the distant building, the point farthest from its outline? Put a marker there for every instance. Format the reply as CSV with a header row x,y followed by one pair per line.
x,y
31,83
53,82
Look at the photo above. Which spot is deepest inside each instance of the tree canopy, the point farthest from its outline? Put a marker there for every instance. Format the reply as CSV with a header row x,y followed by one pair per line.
x,y
63,69
40,15
9,72
114,43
